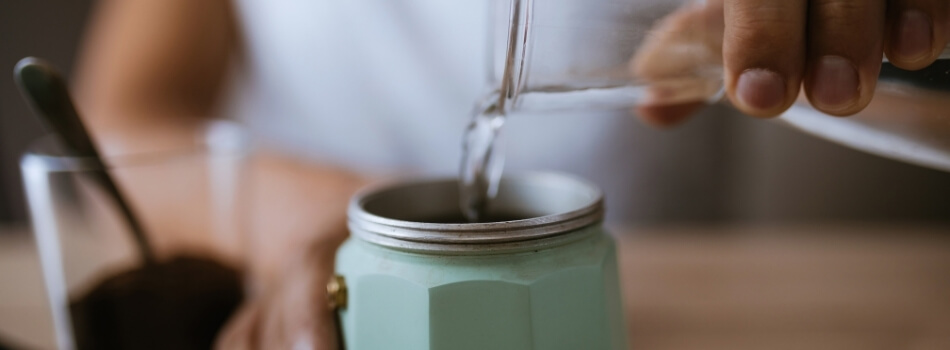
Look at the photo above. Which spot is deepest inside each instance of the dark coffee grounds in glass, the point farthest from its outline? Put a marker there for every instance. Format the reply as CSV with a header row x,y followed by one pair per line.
x,y
178,304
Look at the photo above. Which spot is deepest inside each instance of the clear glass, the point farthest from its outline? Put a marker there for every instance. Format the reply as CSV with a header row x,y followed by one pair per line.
x,y
604,54
616,54
908,119
194,192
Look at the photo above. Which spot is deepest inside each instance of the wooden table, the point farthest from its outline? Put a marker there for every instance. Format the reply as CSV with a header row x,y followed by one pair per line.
x,y
794,288
823,287
24,313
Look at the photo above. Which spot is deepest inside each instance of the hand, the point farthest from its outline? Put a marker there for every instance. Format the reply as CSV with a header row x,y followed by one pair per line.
x,y
299,220
292,315
830,49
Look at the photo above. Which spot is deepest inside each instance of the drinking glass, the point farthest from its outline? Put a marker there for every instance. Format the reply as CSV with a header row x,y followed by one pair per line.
x,y
192,192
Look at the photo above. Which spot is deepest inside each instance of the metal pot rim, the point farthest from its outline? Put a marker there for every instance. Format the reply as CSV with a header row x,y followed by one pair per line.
x,y
581,203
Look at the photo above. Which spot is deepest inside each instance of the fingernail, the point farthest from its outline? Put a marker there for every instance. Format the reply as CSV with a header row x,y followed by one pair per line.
x,y
914,36
761,89
835,83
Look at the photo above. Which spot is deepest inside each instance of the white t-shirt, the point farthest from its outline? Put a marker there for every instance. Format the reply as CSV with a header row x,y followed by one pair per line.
x,y
373,85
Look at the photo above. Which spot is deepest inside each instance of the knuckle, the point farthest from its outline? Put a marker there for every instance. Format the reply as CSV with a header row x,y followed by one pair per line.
x,y
842,7
757,41
847,27
840,13
752,38
762,27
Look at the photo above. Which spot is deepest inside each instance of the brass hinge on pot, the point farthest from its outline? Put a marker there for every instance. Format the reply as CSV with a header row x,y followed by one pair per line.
x,y
336,293
336,299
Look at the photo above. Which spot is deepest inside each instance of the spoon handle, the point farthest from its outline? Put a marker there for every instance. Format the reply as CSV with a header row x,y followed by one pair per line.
x,y
44,88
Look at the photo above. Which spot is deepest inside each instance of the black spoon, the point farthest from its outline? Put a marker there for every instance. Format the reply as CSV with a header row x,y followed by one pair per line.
x,y
44,88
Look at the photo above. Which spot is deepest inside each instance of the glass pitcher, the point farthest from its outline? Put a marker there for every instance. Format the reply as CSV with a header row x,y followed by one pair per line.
x,y
616,54
600,54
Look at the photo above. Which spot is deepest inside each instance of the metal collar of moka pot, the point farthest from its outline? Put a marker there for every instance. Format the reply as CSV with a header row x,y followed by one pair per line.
x,y
543,210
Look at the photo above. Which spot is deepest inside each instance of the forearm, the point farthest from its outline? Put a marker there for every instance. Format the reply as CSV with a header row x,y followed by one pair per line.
x,y
149,72
148,79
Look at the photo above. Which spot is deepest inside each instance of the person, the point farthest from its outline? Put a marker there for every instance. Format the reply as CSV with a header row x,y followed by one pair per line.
x,y
342,91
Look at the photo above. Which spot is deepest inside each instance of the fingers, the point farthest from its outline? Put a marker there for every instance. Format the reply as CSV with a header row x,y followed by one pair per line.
x,y
763,48
278,322
844,53
293,315
917,32
832,49
671,60
297,316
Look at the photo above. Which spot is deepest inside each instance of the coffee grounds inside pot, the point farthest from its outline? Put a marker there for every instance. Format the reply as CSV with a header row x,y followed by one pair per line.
x,y
178,304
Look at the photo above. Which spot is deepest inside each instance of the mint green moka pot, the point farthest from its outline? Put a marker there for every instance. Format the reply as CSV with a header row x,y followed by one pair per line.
x,y
542,277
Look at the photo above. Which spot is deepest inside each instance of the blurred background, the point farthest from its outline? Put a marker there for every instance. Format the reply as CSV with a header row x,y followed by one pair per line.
x,y
701,275
49,29
719,168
